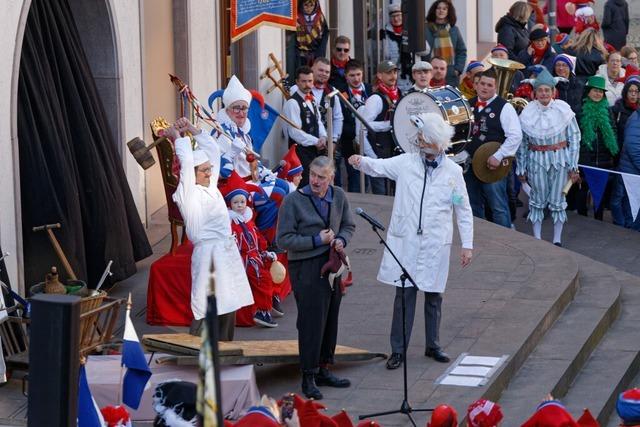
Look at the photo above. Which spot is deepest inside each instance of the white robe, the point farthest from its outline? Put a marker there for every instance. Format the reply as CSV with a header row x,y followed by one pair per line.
x,y
425,256
209,229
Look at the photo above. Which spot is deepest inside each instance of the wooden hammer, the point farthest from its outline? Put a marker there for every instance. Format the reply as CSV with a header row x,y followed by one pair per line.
x,y
57,248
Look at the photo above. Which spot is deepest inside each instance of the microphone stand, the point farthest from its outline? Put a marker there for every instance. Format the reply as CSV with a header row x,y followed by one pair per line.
x,y
405,407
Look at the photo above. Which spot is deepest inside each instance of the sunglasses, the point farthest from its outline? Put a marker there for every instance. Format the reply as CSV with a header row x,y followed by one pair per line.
x,y
342,49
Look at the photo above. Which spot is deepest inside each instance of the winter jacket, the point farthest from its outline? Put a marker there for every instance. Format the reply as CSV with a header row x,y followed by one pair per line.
x,y
527,59
460,49
571,93
513,35
621,113
615,23
630,157
599,155
586,64
564,19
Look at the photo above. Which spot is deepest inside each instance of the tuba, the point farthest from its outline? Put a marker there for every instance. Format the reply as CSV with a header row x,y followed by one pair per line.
x,y
506,70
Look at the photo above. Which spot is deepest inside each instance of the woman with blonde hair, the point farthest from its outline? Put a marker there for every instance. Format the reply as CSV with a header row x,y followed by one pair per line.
x,y
589,51
512,28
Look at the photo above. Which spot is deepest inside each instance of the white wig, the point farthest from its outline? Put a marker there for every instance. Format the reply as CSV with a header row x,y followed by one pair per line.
x,y
435,129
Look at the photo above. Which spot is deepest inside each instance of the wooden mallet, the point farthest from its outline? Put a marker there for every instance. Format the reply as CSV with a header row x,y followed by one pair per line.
x,y
57,248
142,152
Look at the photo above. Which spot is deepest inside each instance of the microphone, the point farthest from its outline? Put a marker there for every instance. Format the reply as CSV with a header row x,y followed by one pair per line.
x,y
371,220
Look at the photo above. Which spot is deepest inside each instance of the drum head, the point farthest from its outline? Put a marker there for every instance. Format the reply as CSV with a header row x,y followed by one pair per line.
x,y
404,131
446,101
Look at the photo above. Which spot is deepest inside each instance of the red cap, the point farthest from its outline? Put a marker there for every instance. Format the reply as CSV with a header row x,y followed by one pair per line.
x,y
310,417
484,413
551,414
342,419
443,416
292,165
367,423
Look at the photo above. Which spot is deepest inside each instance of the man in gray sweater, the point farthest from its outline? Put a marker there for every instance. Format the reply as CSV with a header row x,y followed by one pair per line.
x,y
312,220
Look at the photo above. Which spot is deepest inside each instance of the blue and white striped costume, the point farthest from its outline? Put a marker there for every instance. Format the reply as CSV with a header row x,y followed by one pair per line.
x,y
547,171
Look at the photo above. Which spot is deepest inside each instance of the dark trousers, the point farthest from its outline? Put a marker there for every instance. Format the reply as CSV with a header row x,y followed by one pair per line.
x,y
494,195
318,309
432,314
306,156
226,326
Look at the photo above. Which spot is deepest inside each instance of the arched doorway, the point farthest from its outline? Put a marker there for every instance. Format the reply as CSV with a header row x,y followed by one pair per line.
x,y
71,168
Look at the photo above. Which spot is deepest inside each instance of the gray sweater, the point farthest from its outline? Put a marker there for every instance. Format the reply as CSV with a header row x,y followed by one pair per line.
x,y
299,222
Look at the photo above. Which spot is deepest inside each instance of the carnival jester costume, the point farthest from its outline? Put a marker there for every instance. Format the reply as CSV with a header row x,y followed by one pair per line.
x,y
548,153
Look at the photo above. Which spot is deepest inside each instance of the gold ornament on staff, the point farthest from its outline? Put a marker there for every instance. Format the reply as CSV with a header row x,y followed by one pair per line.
x,y
279,81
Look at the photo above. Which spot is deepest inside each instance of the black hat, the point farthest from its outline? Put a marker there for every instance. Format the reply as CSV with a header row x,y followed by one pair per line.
x,y
538,34
174,402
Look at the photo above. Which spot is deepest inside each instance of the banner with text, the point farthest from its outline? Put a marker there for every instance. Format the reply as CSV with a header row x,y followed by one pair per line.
x,y
248,15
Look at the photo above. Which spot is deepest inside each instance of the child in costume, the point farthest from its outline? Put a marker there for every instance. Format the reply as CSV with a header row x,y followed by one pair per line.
x,y
466,85
253,250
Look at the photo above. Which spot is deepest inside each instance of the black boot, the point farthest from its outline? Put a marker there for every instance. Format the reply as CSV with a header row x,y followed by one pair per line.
x,y
326,378
309,388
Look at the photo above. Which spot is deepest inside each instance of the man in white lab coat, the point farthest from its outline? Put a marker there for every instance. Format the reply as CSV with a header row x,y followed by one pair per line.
x,y
429,188
208,227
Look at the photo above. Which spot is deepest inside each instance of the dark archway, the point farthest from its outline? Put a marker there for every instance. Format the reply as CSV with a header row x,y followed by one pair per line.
x,y
94,20
71,171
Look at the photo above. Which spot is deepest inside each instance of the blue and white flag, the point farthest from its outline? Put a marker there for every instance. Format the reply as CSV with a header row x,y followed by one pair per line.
x,y
261,123
138,372
89,414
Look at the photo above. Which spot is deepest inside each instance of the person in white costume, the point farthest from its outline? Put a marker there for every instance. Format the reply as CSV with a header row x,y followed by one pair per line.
x,y
208,227
429,188
233,119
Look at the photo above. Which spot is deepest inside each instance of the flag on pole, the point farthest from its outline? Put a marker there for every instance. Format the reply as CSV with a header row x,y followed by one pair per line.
x,y
262,120
88,413
209,405
597,180
138,372
632,185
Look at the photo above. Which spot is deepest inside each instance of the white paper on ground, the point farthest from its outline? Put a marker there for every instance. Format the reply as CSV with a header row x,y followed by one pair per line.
x,y
480,360
462,381
479,371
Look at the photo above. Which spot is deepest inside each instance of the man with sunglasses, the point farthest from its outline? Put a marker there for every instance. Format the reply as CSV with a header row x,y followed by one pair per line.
x,y
233,119
339,59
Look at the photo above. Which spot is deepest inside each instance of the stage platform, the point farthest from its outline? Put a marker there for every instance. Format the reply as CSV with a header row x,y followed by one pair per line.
x,y
566,323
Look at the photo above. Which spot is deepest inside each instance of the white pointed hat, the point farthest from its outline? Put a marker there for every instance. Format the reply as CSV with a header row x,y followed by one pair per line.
x,y
235,92
199,157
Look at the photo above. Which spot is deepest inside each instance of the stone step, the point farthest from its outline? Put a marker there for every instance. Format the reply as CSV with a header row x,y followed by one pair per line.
x,y
556,361
615,363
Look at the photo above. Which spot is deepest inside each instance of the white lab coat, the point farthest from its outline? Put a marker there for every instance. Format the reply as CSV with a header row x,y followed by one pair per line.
x,y
425,256
208,226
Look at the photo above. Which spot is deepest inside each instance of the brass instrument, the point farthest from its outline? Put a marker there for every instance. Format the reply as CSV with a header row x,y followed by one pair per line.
x,y
506,70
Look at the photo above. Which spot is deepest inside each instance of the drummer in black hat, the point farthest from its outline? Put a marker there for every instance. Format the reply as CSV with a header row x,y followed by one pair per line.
x,y
377,111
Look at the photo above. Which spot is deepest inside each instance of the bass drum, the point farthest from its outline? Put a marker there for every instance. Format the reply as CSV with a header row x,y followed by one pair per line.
x,y
448,102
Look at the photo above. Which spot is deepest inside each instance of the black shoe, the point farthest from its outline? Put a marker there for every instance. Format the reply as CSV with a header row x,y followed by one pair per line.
x,y
326,378
437,354
309,388
276,307
558,244
395,361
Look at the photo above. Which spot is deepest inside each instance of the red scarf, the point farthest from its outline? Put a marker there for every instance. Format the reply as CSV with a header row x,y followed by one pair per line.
x,y
632,106
538,54
437,83
339,64
397,29
393,93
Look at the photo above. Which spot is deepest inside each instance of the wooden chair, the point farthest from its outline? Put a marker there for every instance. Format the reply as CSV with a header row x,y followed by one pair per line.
x,y
166,155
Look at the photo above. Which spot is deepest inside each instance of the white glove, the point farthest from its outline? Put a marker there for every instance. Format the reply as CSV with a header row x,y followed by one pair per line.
x,y
272,256
266,175
237,146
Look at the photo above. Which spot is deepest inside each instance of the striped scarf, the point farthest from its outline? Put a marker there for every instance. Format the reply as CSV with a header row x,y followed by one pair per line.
x,y
310,29
442,45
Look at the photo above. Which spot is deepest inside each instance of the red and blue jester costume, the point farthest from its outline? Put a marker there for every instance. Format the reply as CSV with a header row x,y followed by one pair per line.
x,y
253,251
